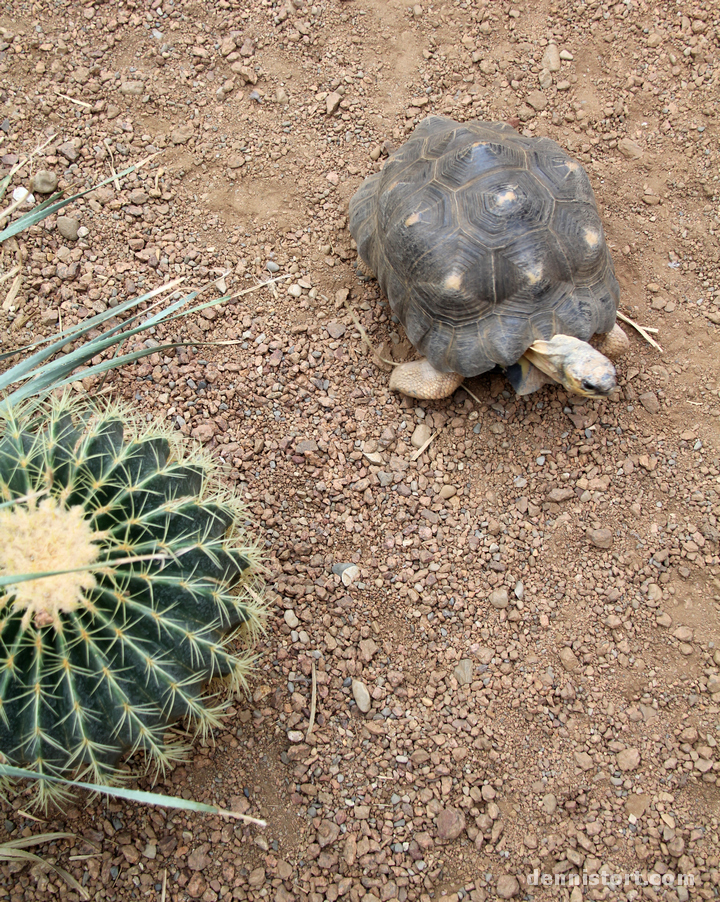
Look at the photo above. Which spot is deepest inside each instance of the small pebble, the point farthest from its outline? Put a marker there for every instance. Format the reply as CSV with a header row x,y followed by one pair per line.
x,y
361,696
68,227
44,182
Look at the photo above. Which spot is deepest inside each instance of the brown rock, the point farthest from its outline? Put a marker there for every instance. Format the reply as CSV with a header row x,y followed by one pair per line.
x,y
69,151
650,402
198,860
182,134
628,759
368,649
204,432
637,804
537,100
328,832
507,886
630,149
424,841
196,886
499,598
683,634
332,102
584,761
350,850
568,659
600,538
132,855
450,824
559,495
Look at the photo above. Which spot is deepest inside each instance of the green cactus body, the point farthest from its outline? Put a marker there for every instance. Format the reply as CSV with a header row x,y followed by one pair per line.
x,y
95,662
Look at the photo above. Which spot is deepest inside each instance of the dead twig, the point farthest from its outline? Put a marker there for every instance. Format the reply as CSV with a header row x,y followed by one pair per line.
x,y
73,100
642,331
425,444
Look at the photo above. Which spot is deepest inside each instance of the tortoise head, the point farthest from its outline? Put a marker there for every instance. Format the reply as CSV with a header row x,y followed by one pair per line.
x,y
574,363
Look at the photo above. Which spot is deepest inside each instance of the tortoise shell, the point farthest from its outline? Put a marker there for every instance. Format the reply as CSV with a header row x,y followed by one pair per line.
x,y
484,241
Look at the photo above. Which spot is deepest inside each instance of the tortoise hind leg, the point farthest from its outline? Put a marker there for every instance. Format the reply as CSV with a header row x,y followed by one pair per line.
x,y
419,379
613,344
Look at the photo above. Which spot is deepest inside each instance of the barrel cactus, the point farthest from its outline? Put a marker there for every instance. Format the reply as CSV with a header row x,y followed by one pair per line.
x,y
154,589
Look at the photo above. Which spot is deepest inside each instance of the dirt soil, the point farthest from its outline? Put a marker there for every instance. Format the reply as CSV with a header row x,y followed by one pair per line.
x,y
528,610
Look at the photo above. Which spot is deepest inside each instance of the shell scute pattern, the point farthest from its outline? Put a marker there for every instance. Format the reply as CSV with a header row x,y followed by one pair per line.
x,y
485,241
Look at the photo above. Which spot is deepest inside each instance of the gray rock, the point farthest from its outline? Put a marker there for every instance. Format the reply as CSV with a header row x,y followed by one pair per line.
x,y
44,182
68,227
349,575
464,672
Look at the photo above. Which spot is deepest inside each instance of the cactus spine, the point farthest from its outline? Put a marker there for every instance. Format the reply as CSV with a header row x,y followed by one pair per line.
x,y
96,661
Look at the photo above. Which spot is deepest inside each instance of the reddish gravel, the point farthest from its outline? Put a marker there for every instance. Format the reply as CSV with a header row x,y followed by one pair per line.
x,y
514,634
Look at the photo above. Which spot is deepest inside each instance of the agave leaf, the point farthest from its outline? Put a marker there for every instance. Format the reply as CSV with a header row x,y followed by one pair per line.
x,y
47,208
24,841
38,208
29,366
41,376
132,795
5,183
14,850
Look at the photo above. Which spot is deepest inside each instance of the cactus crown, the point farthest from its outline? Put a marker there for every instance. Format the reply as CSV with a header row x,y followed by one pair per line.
x,y
155,582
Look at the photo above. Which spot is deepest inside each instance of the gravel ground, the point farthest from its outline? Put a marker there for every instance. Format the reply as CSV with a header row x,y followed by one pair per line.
x,y
514,634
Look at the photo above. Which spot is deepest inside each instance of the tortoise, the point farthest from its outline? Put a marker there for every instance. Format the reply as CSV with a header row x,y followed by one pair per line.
x,y
490,249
